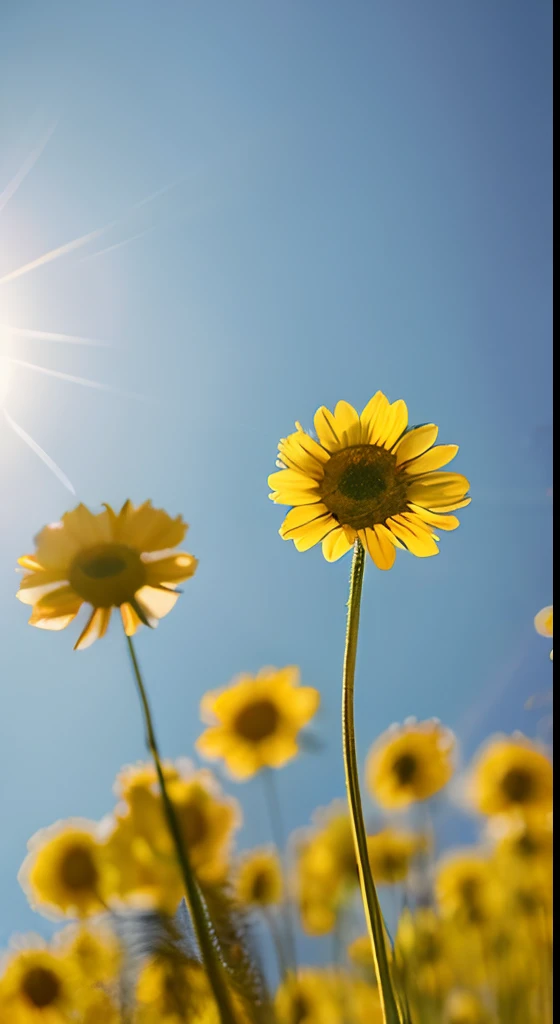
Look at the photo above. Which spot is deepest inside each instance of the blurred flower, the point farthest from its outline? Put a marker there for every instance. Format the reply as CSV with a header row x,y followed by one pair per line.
x,y
391,852
467,888
511,774
523,846
326,868
172,989
94,951
108,561
367,477
307,998
465,1008
543,622
410,762
422,953
63,873
38,987
259,879
141,850
254,723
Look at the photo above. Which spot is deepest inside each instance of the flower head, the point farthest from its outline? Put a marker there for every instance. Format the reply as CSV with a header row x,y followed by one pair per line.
x,y
62,874
467,888
391,853
410,762
366,476
39,986
106,560
307,998
254,723
259,879
511,774
543,623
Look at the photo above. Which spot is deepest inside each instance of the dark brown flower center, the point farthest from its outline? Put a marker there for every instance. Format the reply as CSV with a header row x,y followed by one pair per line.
x,y
78,870
107,575
428,947
260,888
257,721
361,486
518,785
405,767
300,1009
195,824
41,987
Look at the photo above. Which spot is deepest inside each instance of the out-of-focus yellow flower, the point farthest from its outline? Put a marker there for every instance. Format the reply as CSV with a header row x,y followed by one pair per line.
x,y
511,774
422,952
109,560
391,853
141,851
64,871
465,1008
467,888
410,762
326,868
307,998
172,989
524,846
100,1008
367,477
39,987
543,623
94,951
254,723
258,880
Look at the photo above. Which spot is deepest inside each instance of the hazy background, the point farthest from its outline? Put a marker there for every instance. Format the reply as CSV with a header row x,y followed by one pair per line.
x,y
361,199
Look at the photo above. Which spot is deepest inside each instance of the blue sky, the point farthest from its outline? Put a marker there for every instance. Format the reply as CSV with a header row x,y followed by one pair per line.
x,y
360,198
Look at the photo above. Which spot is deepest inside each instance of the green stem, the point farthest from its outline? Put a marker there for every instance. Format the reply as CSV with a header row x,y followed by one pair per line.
x,y
372,909
278,837
198,910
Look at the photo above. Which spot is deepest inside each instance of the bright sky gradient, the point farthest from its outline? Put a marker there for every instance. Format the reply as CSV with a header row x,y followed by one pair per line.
x,y
361,200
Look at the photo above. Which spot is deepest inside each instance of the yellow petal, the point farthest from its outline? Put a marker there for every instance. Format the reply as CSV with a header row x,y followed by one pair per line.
x,y
451,507
418,542
435,489
155,601
348,424
31,563
301,517
149,529
382,530
88,528
130,619
337,544
543,621
301,452
314,532
326,429
289,479
395,425
38,584
415,442
441,522
379,426
173,569
305,701
95,628
380,550
433,459
376,406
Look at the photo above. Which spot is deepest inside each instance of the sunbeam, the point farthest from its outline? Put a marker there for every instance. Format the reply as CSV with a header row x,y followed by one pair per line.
x,y
27,166
40,452
71,379
67,339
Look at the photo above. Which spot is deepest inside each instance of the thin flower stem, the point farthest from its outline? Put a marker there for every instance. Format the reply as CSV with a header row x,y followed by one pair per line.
x,y
372,909
198,910
278,836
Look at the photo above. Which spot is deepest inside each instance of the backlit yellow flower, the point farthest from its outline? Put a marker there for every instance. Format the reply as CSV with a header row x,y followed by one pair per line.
x,y
422,953
259,879
141,851
391,852
94,951
465,1008
410,762
108,561
367,476
543,622
524,845
63,873
511,774
254,723
467,888
38,987
326,869
171,989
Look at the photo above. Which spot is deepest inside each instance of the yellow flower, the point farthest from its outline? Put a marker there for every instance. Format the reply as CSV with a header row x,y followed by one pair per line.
x,y
259,879
421,951
172,989
108,561
254,723
326,869
524,846
391,853
307,998
94,951
465,1008
543,622
141,851
511,774
38,987
63,873
368,477
467,888
410,762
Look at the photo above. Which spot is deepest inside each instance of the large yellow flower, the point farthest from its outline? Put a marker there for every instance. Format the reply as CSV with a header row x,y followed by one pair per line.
x,y
39,987
108,561
511,774
367,476
410,762
254,723
63,873
258,880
